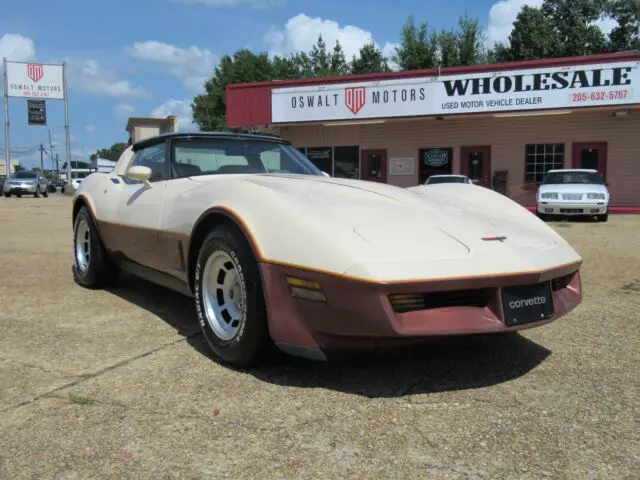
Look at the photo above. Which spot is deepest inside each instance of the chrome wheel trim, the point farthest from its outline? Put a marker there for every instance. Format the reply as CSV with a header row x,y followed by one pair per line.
x,y
224,295
83,245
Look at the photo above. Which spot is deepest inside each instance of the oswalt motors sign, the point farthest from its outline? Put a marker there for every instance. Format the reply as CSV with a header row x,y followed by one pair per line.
x,y
35,80
513,90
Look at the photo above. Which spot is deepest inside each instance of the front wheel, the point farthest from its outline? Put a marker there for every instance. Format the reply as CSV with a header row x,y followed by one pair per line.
x,y
230,300
93,267
603,218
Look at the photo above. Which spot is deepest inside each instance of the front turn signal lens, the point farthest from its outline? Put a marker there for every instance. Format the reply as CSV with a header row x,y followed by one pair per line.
x,y
305,289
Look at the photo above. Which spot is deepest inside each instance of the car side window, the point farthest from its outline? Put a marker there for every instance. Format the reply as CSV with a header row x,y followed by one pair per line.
x,y
153,157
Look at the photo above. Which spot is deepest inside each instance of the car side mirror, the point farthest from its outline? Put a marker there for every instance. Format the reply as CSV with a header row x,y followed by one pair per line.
x,y
140,173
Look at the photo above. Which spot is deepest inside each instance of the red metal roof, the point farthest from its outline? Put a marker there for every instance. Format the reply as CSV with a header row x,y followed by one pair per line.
x,y
249,104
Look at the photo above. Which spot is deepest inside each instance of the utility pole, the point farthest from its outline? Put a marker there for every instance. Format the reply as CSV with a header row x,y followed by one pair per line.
x,y
41,159
50,146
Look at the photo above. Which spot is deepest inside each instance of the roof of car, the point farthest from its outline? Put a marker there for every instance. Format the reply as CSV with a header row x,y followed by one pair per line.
x,y
247,136
561,170
446,175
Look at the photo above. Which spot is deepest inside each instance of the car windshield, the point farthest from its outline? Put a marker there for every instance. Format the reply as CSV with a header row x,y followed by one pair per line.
x,y
212,156
23,174
561,178
431,180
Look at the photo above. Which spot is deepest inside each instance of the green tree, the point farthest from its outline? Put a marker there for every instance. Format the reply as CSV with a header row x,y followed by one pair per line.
x,y
470,41
559,28
113,152
337,62
464,46
285,68
369,60
574,23
320,59
209,108
626,35
417,48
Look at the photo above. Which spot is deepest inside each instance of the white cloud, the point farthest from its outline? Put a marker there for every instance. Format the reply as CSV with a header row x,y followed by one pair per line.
x,y
192,65
124,110
90,128
503,13
301,32
179,108
17,48
258,4
501,17
89,77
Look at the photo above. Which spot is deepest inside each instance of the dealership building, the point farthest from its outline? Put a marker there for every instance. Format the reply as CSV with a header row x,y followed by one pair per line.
x,y
503,125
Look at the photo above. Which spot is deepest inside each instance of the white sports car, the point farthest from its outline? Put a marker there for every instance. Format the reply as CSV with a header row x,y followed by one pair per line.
x,y
447,178
569,192
275,253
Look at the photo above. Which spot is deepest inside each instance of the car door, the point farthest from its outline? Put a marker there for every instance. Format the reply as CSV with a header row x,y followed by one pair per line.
x,y
140,207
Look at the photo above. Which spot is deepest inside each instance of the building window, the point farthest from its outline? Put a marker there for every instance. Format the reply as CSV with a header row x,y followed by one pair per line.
x,y
321,157
346,162
540,158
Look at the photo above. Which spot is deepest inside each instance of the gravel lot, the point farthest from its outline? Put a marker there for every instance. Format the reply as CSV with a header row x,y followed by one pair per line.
x,y
117,384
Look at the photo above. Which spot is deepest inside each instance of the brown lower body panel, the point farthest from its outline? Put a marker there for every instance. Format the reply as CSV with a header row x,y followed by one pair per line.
x,y
360,315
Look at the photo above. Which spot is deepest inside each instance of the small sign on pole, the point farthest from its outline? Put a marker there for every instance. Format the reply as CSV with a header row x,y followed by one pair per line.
x,y
37,112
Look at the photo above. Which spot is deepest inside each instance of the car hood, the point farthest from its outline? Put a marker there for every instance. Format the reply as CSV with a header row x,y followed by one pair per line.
x,y
573,188
22,180
410,222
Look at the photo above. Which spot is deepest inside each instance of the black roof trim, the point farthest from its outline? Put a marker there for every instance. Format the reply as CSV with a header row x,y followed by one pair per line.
x,y
147,142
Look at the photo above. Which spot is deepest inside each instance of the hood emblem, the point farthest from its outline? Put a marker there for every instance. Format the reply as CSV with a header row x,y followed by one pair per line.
x,y
500,239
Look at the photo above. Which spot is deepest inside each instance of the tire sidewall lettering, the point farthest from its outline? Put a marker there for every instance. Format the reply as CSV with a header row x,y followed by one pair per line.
x,y
202,320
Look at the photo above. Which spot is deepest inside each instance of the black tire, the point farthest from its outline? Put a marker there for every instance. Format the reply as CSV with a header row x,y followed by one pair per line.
x,y
252,344
46,192
19,195
542,217
37,194
101,269
7,194
604,217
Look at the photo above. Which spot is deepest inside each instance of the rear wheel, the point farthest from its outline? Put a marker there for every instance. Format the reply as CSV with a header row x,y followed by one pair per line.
x,y
230,299
45,194
93,267
7,194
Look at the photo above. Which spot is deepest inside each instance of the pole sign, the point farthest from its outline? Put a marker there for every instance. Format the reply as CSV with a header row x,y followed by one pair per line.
x,y
601,84
35,80
37,112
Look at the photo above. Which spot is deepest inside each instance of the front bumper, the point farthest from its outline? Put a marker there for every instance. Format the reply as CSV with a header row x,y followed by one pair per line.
x,y
564,208
20,189
360,315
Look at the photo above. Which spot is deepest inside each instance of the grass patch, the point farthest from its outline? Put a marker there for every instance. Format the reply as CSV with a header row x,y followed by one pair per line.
x,y
81,399
563,224
631,287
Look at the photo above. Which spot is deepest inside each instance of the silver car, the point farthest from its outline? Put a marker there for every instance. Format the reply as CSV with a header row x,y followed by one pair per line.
x,y
26,183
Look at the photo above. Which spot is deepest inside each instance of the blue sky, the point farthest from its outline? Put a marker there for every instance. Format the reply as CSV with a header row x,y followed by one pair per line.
x,y
150,57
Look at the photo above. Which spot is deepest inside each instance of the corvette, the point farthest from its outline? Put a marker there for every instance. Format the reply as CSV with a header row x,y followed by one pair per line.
x,y
277,255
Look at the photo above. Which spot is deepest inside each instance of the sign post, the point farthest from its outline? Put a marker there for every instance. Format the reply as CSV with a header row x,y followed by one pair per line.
x,y
40,82
66,120
7,137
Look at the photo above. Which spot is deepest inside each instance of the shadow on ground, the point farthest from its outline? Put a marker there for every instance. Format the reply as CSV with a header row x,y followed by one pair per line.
x,y
444,365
